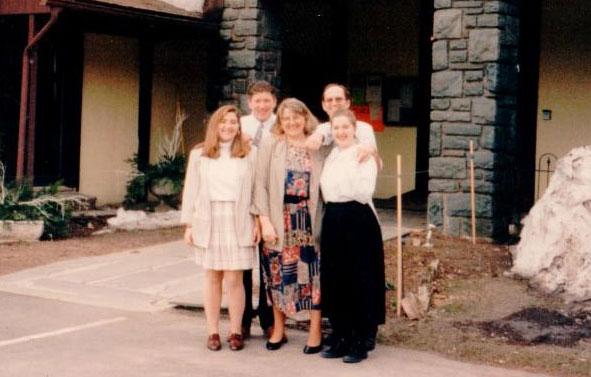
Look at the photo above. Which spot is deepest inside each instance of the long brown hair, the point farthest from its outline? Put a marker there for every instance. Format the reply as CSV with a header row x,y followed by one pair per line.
x,y
211,144
297,107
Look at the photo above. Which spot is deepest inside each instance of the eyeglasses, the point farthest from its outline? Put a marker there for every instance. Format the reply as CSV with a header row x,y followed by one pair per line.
x,y
335,100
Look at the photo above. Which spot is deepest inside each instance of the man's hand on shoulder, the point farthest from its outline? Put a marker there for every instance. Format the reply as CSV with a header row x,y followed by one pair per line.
x,y
314,141
365,152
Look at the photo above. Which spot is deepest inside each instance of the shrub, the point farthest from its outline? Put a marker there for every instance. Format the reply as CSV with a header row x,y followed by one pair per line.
x,y
169,167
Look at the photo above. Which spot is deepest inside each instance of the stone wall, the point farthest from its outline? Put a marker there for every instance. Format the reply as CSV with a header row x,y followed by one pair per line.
x,y
252,33
473,97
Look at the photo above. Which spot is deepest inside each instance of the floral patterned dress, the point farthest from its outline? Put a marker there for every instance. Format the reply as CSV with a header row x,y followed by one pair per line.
x,y
292,275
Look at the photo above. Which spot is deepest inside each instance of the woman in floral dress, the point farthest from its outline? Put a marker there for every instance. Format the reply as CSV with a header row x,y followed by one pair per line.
x,y
288,204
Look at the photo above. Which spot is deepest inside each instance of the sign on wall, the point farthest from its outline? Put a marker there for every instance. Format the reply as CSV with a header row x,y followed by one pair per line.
x,y
384,101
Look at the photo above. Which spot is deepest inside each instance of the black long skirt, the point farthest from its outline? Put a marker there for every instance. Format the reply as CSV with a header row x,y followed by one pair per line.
x,y
352,270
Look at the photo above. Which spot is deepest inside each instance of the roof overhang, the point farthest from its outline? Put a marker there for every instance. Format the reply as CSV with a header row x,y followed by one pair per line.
x,y
22,7
146,8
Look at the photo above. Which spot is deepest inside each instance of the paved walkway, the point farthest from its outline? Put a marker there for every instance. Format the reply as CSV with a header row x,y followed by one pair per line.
x,y
40,337
126,296
146,279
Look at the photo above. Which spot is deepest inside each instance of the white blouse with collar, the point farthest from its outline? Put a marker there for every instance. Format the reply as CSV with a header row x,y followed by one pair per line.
x,y
344,179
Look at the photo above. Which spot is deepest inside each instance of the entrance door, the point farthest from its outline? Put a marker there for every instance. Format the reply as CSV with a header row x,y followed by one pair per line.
x,y
13,39
314,49
57,134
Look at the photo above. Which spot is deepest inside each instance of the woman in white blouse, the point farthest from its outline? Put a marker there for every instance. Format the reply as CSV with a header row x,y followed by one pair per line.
x,y
216,212
352,268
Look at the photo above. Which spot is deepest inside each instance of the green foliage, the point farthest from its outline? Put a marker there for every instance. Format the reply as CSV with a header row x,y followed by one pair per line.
x,y
393,304
136,189
21,203
169,167
12,209
172,168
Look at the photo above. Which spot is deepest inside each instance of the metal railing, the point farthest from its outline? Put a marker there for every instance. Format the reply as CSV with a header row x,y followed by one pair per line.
x,y
544,168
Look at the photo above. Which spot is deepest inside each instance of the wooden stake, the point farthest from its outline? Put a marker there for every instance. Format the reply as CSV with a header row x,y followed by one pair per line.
x,y
472,196
399,228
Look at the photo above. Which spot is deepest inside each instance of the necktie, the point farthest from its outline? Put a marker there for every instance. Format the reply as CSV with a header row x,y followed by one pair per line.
x,y
258,136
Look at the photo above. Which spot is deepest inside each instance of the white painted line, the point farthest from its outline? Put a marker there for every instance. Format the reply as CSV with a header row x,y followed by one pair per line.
x,y
60,331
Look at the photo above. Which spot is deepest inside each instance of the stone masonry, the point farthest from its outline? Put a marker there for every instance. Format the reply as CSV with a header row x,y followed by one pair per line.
x,y
251,30
473,97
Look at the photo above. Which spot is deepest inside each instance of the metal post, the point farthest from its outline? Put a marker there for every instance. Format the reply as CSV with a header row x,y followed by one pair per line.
x,y
472,196
399,231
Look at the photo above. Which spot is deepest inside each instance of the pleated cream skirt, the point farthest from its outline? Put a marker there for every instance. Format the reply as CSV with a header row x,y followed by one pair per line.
x,y
223,252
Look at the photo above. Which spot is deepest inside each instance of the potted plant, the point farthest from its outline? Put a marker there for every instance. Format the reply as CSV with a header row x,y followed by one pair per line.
x,y
163,179
27,215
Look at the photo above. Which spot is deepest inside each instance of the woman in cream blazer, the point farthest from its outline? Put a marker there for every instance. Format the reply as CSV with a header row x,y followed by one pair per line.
x,y
216,212
196,209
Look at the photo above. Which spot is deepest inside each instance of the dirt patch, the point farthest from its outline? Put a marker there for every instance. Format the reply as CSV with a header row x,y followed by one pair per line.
x,y
18,256
471,289
459,261
539,326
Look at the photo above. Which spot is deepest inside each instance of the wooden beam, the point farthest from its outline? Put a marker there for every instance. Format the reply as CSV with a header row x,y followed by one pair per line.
x,y
24,104
22,7
145,102
32,120
126,8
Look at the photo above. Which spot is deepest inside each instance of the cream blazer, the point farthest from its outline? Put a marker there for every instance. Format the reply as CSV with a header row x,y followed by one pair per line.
x,y
269,187
196,206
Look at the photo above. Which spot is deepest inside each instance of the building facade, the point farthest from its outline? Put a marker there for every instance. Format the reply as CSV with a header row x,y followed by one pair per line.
x,y
506,75
510,76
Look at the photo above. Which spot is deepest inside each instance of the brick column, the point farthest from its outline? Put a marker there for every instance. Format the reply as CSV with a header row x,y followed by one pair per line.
x,y
251,29
473,97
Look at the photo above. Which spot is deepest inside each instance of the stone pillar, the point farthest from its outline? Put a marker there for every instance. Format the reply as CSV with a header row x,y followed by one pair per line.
x,y
473,97
252,32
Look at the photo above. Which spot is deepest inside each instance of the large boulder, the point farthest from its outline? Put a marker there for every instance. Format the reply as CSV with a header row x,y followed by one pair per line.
x,y
555,247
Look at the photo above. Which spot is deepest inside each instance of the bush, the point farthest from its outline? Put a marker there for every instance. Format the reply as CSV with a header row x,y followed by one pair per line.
x,y
169,167
136,189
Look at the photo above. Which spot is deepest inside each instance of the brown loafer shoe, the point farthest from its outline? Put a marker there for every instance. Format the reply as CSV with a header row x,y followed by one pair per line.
x,y
245,334
213,342
236,342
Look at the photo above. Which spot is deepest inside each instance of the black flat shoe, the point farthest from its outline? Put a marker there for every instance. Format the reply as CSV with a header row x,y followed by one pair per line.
x,y
275,346
335,351
356,354
370,344
311,350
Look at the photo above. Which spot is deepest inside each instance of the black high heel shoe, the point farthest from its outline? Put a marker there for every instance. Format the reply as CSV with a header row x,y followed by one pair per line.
x,y
275,346
311,350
